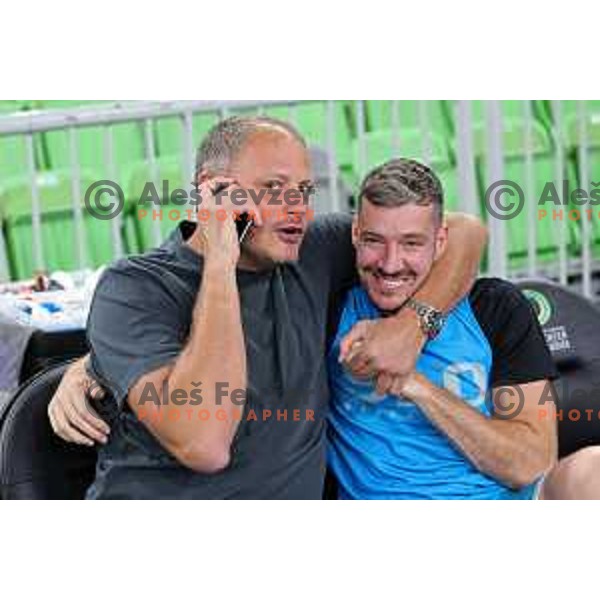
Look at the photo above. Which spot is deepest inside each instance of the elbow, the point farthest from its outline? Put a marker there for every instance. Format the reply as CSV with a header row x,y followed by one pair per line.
x,y
208,458
469,225
521,478
529,471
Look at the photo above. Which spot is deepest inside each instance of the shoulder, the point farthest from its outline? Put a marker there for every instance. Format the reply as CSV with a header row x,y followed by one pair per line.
x,y
503,312
501,309
128,276
506,317
329,240
494,294
330,227
156,278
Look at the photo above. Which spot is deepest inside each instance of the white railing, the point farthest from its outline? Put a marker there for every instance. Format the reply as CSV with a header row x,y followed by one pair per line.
x,y
473,174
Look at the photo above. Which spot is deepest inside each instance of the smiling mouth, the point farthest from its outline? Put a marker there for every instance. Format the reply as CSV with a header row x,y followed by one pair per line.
x,y
392,284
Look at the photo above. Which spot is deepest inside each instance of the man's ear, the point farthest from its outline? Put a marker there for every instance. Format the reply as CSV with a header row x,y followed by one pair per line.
x,y
441,240
355,230
202,176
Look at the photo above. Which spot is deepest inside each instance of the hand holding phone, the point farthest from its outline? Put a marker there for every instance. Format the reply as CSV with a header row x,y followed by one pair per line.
x,y
243,222
216,237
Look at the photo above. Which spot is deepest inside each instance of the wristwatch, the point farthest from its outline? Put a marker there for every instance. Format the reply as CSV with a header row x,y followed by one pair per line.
x,y
431,320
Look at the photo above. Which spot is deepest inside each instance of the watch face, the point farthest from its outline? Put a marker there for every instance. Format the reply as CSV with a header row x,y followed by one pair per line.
x,y
431,320
435,323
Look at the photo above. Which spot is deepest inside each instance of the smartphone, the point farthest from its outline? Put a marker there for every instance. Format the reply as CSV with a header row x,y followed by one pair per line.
x,y
243,224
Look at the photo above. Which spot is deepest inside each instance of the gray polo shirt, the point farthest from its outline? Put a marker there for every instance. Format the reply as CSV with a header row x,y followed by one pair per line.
x,y
139,321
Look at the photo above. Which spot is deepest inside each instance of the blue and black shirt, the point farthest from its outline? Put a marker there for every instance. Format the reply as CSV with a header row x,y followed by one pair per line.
x,y
386,447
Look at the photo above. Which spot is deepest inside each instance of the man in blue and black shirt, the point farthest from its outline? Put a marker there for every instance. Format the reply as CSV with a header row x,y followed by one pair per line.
x,y
469,421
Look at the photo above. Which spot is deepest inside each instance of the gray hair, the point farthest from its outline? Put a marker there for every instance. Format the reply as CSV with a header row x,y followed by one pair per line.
x,y
403,181
224,141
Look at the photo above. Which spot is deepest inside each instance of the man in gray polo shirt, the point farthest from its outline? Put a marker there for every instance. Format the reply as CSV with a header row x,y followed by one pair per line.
x,y
202,314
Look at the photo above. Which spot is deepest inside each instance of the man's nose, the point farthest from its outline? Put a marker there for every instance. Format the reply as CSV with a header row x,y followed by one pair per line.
x,y
393,259
295,202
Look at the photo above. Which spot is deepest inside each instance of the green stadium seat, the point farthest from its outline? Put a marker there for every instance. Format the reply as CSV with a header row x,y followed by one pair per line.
x,y
202,124
569,108
57,224
14,167
593,161
169,133
310,118
13,160
13,149
543,161
512,111
379,148
379,115
128,145
513,138
543,111
592,127
13,106
8,107
170,169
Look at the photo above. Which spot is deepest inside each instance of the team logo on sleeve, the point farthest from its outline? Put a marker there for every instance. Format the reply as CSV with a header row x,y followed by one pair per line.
x,y
541,305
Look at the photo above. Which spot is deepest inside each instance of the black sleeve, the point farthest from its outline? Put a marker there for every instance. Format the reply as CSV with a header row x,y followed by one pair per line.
x,y
331,241
519,350
133,329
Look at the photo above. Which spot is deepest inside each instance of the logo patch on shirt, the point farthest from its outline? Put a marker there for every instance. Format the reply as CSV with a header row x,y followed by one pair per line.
x,y
541,305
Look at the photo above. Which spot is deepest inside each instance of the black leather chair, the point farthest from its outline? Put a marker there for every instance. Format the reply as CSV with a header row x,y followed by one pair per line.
x,y
34,462
48,348
571,325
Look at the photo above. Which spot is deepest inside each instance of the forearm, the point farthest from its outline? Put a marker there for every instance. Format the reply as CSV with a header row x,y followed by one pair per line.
x,y
215,355
215,352
507,450
453,274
